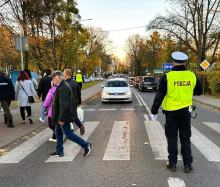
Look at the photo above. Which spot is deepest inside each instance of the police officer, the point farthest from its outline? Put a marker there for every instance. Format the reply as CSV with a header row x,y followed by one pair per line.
x,y
175,93
79,79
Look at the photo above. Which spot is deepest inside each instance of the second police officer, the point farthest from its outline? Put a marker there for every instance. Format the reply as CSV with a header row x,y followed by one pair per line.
x,y
175,93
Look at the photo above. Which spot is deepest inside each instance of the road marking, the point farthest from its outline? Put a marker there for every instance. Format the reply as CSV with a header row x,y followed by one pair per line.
x,y
157,140
89,109
71,149
119,142
127,109
107,109
26,148
145,105
205,146
146,117
214,126
137,97
176,182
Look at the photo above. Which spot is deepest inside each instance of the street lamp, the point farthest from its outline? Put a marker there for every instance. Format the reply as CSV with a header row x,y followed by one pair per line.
x,y
77,41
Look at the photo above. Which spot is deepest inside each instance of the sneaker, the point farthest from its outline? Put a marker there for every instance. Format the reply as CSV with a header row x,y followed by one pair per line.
x,y
82,130
188,168
41,120
52,140
171,167
30,120
88,150
57,155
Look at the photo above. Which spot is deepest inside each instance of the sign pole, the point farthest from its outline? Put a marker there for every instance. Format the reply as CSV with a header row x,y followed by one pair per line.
x,y
22,58
204,82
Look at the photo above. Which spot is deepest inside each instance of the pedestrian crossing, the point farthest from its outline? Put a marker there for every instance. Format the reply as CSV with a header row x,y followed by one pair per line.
x,y
71,150
118,146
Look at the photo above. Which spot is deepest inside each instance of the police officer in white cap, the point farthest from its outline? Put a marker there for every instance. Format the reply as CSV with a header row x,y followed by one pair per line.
x,y
175,93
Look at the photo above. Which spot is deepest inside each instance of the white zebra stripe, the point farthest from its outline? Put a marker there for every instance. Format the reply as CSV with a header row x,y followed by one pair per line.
x,y
71,149
119,142
205,146
26,148
214,126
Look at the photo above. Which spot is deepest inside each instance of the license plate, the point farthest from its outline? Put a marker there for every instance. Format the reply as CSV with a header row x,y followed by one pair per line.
x,y
150,88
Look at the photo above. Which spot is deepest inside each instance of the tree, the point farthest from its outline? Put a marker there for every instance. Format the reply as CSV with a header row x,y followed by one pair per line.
x,y
8,55
195,24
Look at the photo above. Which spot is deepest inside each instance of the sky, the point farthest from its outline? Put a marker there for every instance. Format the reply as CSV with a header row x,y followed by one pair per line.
x,y
120,14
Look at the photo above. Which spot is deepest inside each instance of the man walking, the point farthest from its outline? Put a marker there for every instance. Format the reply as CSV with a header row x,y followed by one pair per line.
x,y
67,73
7,94
43,88
64,112
175,92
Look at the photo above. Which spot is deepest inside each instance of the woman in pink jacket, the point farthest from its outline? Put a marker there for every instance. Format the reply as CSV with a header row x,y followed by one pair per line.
x,y
48,105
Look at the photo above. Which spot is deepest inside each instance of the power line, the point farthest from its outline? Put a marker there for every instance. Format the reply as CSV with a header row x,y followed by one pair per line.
x,y
124,29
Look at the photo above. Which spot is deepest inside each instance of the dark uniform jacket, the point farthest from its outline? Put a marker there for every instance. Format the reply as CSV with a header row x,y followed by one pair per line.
x,y
7,92
162,90
64,104
76,90
44,86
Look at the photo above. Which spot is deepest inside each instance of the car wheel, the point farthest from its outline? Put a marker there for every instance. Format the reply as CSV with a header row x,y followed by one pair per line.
x,y
142,89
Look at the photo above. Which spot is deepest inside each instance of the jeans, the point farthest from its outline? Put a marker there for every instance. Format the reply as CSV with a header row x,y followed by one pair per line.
x,y
42,114
65,129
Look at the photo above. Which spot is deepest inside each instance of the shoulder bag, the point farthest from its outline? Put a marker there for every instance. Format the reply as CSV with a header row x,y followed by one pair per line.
x,y
30,98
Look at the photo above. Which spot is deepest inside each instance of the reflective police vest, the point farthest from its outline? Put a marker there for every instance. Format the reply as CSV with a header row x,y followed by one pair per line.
x,y
79,77
180,86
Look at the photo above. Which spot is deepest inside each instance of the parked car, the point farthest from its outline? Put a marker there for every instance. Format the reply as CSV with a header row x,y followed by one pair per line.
x,y
117,89
147,83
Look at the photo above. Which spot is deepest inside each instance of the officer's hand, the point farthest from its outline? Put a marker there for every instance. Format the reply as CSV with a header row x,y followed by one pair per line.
x,y
153,117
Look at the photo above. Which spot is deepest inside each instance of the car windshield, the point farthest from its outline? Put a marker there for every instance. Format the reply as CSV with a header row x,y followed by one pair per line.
x,y
149,79
116,84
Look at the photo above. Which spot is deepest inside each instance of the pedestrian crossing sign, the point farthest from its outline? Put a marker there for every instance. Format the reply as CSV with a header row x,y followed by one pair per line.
x,y
205,64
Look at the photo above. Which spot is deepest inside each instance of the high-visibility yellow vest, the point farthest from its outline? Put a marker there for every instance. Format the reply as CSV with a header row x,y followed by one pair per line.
x,y
79,77
180,86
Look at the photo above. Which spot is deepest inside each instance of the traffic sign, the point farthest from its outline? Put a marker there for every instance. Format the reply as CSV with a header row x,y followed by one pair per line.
x,y
205,64
167,66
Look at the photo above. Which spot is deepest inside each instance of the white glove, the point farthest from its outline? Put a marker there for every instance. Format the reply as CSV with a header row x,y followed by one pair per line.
x,y
153,117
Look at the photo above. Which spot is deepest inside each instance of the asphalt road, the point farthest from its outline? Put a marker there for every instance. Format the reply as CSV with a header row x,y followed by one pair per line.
x,y
124,153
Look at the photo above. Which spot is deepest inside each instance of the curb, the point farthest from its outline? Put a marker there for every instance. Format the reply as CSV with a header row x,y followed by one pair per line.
x,y
208,105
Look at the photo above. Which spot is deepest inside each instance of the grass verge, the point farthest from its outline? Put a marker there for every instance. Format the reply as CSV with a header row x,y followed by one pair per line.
x,y
89,84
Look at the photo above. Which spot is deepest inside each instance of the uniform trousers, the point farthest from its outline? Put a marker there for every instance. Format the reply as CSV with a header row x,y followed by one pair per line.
x,y
178,121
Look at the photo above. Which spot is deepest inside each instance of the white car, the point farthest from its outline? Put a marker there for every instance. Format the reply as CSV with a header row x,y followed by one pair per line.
x,y
117,89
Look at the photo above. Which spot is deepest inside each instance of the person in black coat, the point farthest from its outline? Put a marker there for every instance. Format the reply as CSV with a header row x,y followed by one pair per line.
x,y
64,112
7,94
43,88
67,73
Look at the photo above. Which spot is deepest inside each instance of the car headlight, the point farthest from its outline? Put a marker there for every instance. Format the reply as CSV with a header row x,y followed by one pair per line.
x,y
128,93
104,93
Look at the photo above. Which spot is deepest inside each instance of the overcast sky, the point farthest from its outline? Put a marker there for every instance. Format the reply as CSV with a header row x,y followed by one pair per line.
x,y
120,14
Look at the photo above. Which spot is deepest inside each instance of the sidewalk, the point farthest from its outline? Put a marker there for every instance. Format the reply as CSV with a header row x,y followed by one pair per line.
x,y
8,135
208,100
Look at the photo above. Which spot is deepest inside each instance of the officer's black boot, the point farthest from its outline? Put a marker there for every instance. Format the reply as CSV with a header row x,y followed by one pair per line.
x,y
10,124
171,167
188,168
5,119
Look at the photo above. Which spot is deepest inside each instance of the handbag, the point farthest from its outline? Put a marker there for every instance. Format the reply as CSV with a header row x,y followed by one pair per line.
x,y
30,98
80,113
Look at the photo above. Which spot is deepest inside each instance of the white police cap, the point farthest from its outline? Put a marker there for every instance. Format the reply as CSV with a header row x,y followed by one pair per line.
x,y
179,57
